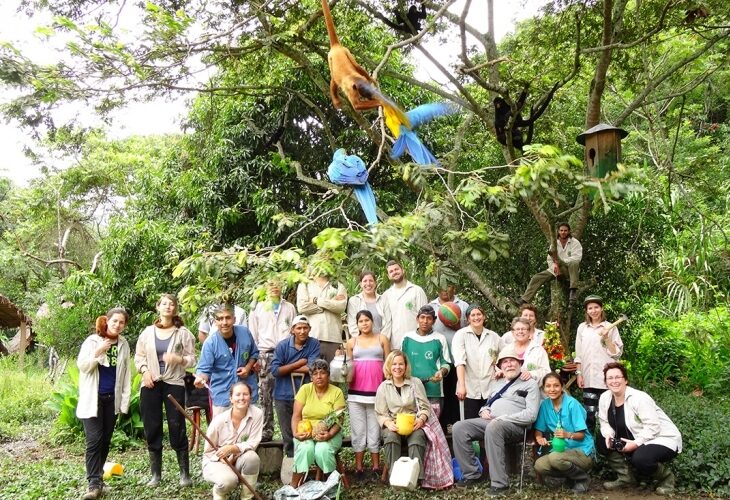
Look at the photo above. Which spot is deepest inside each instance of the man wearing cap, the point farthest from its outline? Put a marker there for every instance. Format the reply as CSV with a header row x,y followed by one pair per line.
x,y
428,353
228,356
270,323
403,300
511,408
561,262
290,368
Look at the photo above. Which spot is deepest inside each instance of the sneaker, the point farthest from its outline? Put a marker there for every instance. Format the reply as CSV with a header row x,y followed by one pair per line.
x,y
467,483
496,491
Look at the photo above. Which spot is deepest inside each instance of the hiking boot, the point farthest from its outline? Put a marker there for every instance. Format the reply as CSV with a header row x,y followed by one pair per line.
x,y
617,462
579,479
183,461
155,469
665,480
92,493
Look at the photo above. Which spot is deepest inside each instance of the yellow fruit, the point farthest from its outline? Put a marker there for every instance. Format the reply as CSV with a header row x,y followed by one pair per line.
x,y
304,427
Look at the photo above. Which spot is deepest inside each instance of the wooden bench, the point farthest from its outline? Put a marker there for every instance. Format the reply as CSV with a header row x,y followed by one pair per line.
x,y
271,454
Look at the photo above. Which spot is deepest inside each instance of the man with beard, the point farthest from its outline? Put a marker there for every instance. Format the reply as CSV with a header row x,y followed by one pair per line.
x,y
511,408
404,299
562,261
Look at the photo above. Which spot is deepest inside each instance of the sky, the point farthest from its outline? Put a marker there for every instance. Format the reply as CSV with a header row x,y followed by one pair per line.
x,y
165,116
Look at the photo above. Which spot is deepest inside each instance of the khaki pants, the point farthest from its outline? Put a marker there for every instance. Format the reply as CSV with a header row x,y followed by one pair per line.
x,y
223,477
571,270
558,463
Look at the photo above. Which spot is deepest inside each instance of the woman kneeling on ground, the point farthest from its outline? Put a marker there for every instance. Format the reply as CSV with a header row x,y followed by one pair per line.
x,y
235,434
401,393
635,428
104,390
316,423
563,417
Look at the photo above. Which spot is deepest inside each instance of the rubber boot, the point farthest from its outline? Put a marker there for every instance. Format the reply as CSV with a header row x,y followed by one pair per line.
x,y
250,479
579,479
296,479
665,480
155,468
183,460
620,466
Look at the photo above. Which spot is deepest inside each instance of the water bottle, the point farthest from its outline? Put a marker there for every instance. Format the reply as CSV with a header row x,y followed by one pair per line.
x,y
558,443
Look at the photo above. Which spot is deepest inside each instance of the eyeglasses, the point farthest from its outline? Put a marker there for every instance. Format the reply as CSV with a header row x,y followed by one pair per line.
x,y
611,379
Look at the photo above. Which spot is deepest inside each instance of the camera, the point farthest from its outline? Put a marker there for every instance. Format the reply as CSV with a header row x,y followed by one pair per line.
x,y
617,444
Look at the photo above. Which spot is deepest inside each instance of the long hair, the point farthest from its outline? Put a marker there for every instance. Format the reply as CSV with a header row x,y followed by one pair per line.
x,y
176,319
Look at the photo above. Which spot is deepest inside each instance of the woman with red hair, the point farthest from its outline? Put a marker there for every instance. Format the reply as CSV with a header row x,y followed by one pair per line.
x,y
104,389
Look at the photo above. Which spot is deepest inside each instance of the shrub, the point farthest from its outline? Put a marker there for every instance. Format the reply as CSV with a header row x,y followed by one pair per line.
x,y
703,422
691,352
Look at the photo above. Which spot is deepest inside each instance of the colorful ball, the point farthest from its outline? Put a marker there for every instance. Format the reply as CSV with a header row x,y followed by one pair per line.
x,y
450,315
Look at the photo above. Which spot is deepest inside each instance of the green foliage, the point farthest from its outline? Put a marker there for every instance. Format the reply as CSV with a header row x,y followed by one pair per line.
x,y
64,400
22,393
703,422
691,352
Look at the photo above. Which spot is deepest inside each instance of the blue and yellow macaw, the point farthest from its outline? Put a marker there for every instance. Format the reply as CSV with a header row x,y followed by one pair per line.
x,y
406,138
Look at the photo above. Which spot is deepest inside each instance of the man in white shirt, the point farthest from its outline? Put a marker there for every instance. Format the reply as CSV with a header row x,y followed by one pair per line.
x,y
270,323
564,261
323,301
404,299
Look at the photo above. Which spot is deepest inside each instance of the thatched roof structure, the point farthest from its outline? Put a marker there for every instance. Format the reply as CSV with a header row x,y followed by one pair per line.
x,y
11,315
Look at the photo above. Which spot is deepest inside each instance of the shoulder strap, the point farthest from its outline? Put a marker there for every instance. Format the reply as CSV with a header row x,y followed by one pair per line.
x,y
501,391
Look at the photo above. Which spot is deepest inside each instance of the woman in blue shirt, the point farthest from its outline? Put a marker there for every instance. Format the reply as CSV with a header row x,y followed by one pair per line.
x,y
563,419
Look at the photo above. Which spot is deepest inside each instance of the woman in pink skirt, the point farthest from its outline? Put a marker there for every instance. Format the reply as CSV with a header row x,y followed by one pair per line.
x,y
367,352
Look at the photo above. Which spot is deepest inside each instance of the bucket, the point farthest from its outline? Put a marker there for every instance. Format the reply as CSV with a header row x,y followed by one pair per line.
x,y
405,473
405,422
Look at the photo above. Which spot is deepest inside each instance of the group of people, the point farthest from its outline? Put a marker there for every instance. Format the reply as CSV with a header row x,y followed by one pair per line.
x,y
402,360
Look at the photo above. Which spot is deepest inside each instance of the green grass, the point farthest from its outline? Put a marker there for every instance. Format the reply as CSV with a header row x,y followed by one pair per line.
x,y
22,394
34,464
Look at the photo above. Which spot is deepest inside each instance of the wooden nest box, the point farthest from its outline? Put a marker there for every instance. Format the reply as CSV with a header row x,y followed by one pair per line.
x,y
602,148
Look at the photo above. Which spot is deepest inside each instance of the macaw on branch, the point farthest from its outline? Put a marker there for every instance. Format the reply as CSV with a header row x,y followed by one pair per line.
x,y
406,138
350,170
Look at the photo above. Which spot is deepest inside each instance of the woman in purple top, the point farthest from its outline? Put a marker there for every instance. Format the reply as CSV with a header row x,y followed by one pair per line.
x,y
367,352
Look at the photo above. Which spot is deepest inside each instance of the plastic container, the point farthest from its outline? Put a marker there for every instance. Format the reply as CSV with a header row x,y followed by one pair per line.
x,y
558,443
113,469
405,473
405,423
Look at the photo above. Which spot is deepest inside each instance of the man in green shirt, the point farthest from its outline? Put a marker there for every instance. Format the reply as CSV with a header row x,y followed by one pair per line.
x,y
429,356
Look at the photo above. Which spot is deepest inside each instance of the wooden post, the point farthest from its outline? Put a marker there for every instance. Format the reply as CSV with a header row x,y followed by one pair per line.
x,y
23,342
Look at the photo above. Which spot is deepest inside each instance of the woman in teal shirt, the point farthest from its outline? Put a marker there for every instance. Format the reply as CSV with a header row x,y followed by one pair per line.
x,y
564,418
